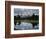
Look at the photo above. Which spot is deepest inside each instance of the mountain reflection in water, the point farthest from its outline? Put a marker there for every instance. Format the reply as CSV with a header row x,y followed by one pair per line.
x,y
22,25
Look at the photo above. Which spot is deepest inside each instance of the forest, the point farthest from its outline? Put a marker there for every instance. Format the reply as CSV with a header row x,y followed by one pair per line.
x,y
33,17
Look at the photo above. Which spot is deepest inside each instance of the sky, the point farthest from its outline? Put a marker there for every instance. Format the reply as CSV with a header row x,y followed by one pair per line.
x,y
26,12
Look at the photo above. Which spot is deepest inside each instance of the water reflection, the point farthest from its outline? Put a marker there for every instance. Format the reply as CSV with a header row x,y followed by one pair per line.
x,y
23,25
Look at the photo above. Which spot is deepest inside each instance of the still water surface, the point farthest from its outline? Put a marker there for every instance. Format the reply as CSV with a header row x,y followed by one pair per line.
x,y
25,26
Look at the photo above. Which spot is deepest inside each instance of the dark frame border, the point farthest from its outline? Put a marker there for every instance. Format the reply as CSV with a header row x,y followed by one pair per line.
x,y
8,15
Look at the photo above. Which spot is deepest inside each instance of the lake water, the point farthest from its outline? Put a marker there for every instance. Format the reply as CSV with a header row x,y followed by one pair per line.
x,y
25,26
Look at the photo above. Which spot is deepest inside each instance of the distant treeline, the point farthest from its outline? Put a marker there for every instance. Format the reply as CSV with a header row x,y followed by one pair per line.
x,y
33,17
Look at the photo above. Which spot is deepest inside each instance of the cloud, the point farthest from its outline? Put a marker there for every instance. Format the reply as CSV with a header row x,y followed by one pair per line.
x,y
21,11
